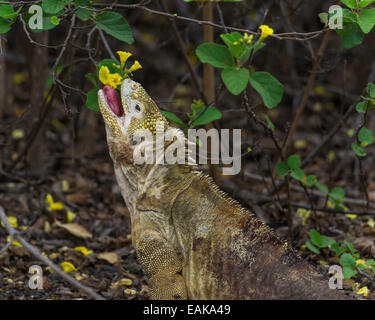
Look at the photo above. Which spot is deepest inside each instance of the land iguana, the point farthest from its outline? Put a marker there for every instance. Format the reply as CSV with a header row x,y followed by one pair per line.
x,y
192,240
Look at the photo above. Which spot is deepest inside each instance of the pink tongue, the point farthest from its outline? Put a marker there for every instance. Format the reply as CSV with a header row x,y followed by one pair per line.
x,y
113,100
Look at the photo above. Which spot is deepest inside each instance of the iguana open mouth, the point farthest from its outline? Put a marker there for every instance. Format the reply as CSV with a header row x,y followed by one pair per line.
x,y
113,100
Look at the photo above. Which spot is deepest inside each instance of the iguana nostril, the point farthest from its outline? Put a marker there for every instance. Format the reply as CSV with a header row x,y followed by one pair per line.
x,y
113,100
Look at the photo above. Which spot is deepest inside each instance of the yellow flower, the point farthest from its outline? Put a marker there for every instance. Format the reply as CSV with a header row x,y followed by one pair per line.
x,y
49,198
248,38
53,206
351,216
124,56
108,78
68,267
84,250
12,221
135,66
15,242
266,31
360,261
371,223
70,215
116,80
364,291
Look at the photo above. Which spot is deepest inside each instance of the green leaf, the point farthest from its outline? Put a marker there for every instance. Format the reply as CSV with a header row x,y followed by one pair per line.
x,y
371,89
351,35
365,136
337,194
365,3
349,16
83,14
349,246
367,20
282,169
327,242
312,248
115,25
6,10
370,262
55,20
92,78
311,180
294,161
316,237
349,272
211,114
214,54
358,150
347,260
229,39
4,25
321,187
171,116
352,4
268,87
92,100
235,80
323,17
53,6
269,122
361,107
298,174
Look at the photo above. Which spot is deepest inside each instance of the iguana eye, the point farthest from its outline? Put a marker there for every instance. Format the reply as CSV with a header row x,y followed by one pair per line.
x,y
134,86
138,108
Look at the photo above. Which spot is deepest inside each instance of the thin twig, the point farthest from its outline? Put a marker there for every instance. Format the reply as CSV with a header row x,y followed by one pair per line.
x,y
36,253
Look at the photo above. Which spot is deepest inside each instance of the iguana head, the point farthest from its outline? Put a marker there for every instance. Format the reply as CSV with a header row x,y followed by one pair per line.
x,y
135,110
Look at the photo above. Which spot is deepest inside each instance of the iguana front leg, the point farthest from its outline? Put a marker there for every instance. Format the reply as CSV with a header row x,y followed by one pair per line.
x,y
162,265
155,254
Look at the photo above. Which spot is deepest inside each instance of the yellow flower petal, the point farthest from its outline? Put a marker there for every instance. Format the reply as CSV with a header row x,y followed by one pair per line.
x,y
83,250
104,75
364,291
68,267
124,56
18,134
360,261
136,65
15,242
49,198
12,221
351,216
115,80
266,31
70,215
56,206
371,223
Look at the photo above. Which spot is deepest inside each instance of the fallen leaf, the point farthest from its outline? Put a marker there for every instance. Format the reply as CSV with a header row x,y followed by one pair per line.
x,y
75,229
110,257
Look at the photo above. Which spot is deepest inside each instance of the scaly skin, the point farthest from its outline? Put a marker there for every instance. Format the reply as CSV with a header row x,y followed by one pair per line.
x,y
192,240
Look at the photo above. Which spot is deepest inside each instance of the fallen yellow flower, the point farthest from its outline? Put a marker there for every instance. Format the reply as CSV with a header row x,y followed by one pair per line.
x,y
52,205
360,261
364,291
12,221
15,242
70,215
84,250
68,267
